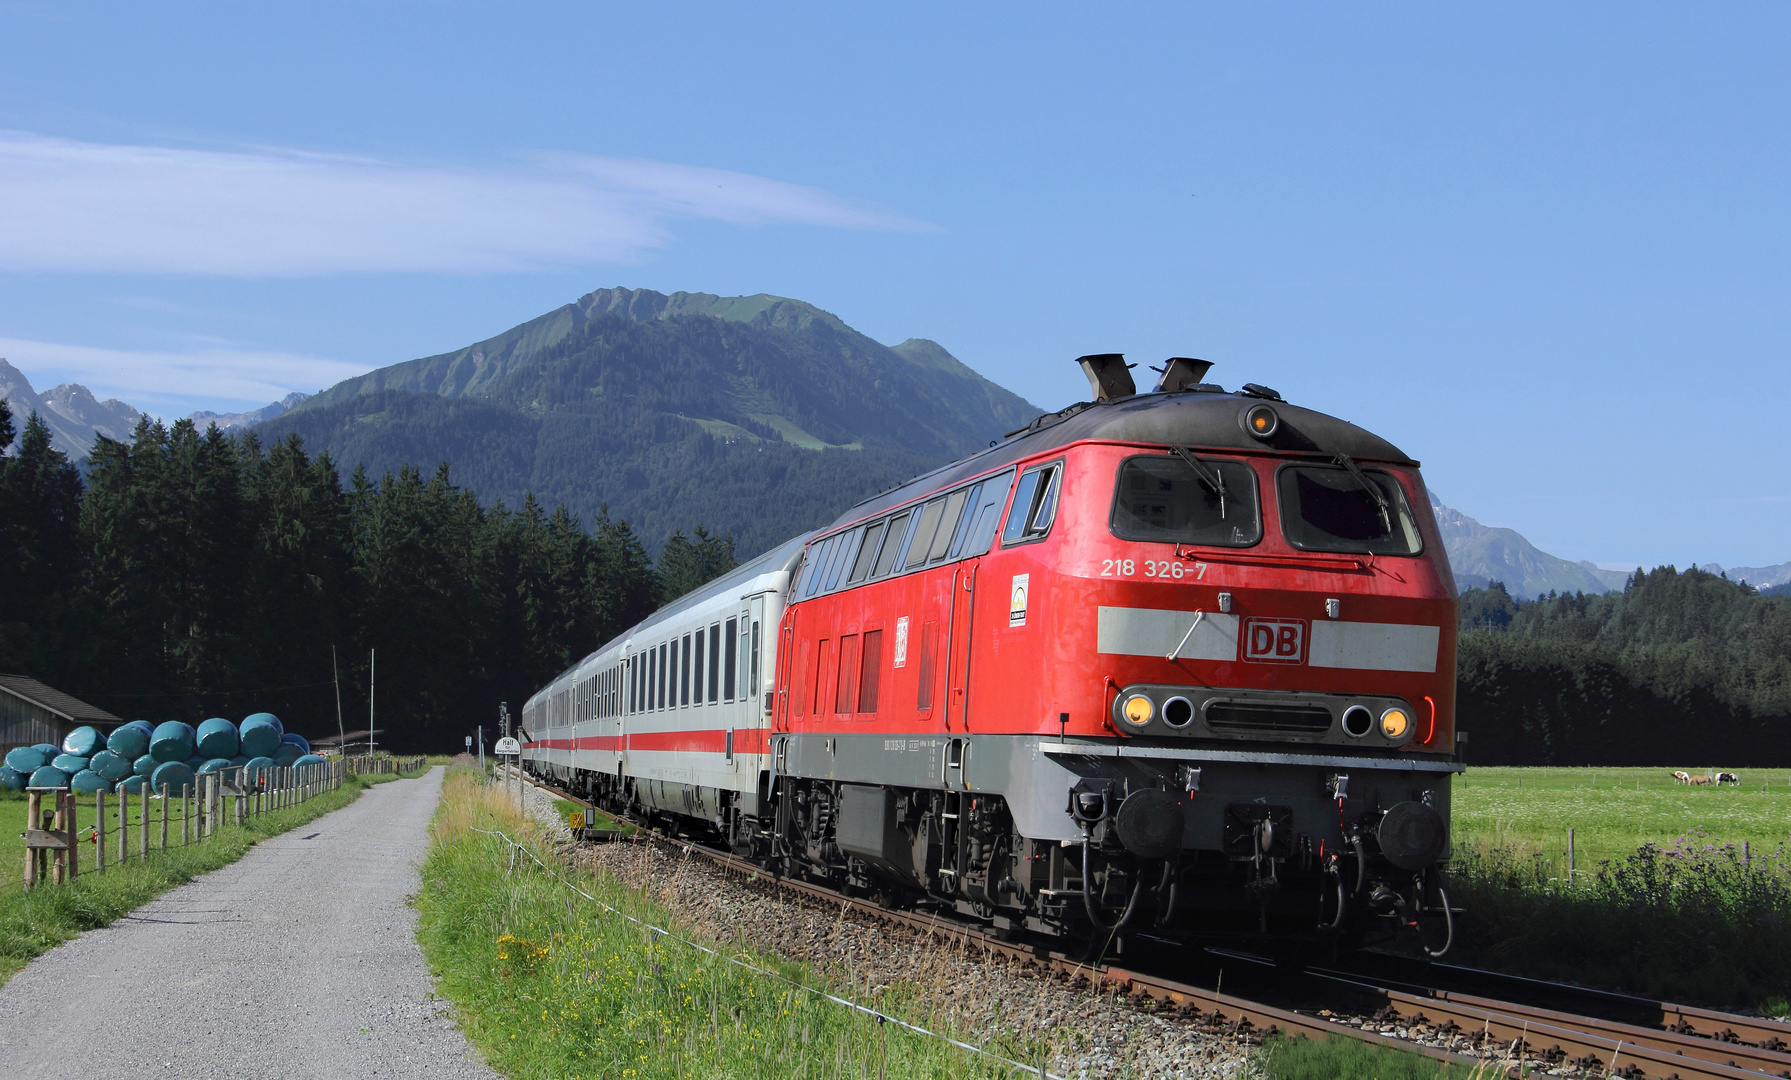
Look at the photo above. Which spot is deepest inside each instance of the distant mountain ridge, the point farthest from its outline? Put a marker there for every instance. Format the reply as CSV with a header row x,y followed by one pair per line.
x,y
1760,577
71,412
1481,554
753,415
226,421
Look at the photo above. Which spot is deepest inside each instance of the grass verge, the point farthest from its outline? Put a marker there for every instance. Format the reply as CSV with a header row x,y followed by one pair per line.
x,y
549,985
34,922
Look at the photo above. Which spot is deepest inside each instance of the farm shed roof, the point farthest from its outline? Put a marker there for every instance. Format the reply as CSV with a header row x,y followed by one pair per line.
x,y
67,706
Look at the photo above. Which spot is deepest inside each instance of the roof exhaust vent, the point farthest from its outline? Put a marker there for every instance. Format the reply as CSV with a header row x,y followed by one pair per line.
x,y
1181,373
1108,376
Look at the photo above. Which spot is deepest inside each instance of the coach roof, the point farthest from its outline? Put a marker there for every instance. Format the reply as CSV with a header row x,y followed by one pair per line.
x,y
1204,419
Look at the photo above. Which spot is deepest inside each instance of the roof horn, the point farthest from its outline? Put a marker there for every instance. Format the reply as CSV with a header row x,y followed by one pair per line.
x,y
1182,372
1108,376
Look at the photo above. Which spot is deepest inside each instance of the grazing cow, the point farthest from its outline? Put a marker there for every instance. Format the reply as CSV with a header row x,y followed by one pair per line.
x,y
1682,777
1728,778
1700,779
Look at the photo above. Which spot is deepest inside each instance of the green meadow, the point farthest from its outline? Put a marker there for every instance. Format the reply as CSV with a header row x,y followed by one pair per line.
x,y
1613,812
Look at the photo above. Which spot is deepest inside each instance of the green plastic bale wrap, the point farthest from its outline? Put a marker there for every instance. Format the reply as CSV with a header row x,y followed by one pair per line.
x,y
69,763
172,741
194,762
131,784
309,759
174,774
26,759
144,765
293,738
286,755
129,742
12,779
84,741
48,776
257,767
218,738
144,726
266,718
86,782
240,759
48,750
259,737
114,767
217,764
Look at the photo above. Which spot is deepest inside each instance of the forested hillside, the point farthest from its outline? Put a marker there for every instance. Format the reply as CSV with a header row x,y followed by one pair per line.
x,y
756,416
1679,667
204,574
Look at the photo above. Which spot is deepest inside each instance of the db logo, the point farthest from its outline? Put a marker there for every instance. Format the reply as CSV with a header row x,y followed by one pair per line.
x,y
1275,641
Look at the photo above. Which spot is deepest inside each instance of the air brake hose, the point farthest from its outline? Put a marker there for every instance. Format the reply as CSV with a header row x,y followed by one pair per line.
x,y
1448,920
1088,900
1355,840
1342,902
1173,878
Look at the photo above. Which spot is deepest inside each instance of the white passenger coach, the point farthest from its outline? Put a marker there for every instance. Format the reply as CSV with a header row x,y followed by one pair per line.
x,y
676,711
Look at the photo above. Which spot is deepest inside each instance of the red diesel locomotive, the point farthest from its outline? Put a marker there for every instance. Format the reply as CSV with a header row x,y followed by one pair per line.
x,y
1180,662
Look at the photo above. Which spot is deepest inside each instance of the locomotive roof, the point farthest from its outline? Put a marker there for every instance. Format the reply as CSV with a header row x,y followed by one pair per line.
x,y
1199,418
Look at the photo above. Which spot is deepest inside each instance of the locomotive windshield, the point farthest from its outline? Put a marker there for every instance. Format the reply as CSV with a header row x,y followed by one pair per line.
x,y
1326,508
1168,499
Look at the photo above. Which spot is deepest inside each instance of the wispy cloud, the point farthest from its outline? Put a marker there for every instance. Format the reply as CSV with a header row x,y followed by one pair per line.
x,y
79,206
176,383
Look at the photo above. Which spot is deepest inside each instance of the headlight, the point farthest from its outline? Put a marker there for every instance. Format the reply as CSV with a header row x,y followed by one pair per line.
x,y
1138,709
1261,421
1395,723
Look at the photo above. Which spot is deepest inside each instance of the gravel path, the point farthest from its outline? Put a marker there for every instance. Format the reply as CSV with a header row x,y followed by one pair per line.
x,y
1094,1036
300,960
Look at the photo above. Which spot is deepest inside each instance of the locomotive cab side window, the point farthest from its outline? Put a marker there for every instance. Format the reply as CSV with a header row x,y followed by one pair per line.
x,y
1167,498
1035,505
1346,509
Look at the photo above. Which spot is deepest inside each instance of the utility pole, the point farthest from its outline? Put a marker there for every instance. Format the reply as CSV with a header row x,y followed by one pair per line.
x,y
371,657
481,749
336,675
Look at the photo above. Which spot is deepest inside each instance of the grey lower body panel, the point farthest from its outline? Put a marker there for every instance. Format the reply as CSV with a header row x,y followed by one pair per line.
x,y
1035,774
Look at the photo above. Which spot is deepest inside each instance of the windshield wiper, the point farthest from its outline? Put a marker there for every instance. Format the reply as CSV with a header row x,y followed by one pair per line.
x,y
1207,474
1373,489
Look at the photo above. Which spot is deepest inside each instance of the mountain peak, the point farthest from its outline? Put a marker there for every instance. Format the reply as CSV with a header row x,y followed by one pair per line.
x,y
75,418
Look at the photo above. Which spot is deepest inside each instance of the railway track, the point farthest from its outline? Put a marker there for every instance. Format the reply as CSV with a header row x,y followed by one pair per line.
x,y
1392,1004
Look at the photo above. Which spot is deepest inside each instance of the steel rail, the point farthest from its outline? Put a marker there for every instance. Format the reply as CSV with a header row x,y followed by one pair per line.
x,y
1693,1044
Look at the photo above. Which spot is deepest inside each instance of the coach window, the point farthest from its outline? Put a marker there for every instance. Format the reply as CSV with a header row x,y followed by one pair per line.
x,y
1035,505
1347,509
755,661
744,646
892,544
696,669
727,676
714,663
665,672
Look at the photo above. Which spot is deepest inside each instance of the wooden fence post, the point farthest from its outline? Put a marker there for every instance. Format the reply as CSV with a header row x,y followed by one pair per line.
x,y
99,830
33,813
186,814
124,825
164,817
71,827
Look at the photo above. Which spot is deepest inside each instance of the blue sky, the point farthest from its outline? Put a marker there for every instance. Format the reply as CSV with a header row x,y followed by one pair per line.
x,y
1543,248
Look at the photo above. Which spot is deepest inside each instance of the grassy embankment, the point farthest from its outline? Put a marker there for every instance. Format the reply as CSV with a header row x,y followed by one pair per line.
x,y
1661,904
32,923
550,985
